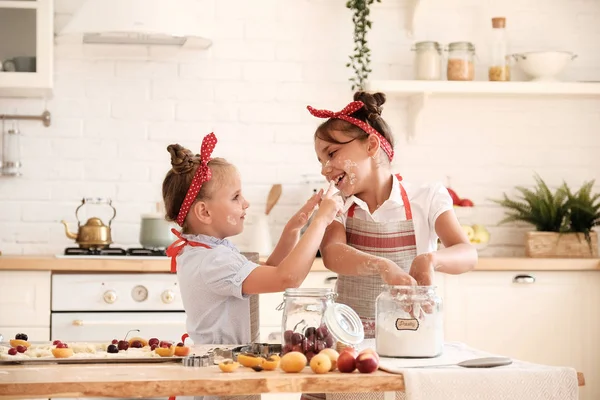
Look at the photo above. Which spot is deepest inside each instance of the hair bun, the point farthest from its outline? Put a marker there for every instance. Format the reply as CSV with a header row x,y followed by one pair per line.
x,y
182,159
372,102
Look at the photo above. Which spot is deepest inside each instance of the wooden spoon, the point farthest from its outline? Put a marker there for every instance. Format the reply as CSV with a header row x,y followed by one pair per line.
x,y
273,197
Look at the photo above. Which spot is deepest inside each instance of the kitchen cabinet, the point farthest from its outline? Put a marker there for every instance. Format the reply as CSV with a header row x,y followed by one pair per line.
x,y
26,51
25,304
546,317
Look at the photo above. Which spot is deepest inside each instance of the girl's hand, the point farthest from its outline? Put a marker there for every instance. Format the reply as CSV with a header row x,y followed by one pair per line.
x,y
331,205
422,269
300,219
392,274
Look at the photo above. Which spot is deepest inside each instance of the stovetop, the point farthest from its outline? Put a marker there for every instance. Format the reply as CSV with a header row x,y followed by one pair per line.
x,y
115,251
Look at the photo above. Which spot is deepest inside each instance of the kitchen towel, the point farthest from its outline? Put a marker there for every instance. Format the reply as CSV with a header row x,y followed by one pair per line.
x,y
518,381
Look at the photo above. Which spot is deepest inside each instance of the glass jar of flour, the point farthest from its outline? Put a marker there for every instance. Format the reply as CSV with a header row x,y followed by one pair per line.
x,y
313,321
428,61
409,322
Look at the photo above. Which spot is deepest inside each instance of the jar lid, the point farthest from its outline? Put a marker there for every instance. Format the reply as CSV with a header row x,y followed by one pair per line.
x,y
344,324
427,45
308,292
461,46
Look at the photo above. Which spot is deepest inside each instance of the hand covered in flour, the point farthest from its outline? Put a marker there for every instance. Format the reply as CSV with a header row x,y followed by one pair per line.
x,y
422,270
300,219
392,274
330,206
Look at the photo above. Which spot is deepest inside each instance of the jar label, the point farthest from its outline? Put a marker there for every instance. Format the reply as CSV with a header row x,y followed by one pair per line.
x,y
407,324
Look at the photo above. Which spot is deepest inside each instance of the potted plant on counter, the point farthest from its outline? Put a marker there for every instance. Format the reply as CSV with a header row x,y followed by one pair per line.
x,y
563,220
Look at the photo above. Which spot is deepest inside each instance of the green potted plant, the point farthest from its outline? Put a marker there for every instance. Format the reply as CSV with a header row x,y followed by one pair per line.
x,y
563,220
361,57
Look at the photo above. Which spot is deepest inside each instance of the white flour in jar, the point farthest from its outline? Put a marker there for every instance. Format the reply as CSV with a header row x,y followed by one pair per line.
x,y
418,338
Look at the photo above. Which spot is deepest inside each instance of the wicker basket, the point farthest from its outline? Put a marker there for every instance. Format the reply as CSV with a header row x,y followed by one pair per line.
x,y
565,245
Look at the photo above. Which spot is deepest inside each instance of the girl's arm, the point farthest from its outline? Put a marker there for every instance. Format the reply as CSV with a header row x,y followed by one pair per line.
x,y
291,232
294,268
339,257
457,256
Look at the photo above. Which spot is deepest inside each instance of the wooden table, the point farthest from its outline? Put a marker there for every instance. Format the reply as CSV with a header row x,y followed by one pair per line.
x,y
163,380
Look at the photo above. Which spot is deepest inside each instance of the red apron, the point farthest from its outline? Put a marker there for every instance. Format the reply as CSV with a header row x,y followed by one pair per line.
x,y
394,240
175,248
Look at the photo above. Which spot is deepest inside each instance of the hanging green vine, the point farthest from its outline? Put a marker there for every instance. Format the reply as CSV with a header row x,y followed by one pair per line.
x,y
361,58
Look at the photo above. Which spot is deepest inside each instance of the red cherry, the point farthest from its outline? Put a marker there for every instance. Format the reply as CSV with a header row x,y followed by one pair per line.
x,y
153,341
12,351
61,345
56,342
21,349
184,336
154,346
166,345
115,341
179,344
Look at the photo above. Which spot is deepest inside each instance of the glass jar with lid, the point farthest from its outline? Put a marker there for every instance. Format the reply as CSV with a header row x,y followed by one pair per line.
x,y
428,61
499,69
461,61
313,321
409,322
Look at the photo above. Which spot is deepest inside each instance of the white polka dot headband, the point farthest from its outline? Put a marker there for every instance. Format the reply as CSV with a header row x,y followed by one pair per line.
x,y
344,114
203,174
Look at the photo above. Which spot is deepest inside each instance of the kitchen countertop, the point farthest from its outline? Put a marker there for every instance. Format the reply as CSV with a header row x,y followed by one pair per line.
x,y
162,380
162,264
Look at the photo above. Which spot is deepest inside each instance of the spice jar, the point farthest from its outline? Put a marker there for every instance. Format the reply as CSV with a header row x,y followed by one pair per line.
x,y
499,69
461,61
409,322
428,61
313,321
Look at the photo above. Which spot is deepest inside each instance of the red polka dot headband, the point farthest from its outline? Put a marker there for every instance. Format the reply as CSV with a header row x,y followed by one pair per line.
x,y
203,174
344,114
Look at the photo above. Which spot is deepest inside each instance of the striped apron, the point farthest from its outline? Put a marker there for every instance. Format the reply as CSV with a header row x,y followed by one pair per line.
x,y
394,240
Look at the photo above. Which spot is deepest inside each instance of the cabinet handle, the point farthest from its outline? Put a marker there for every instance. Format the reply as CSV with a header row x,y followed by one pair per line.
x,y
330,278
523,279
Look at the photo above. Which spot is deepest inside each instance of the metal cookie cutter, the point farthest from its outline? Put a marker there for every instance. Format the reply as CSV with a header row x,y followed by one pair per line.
x,y
193,360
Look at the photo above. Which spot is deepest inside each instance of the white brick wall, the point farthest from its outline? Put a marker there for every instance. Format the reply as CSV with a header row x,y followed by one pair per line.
x,y
115,109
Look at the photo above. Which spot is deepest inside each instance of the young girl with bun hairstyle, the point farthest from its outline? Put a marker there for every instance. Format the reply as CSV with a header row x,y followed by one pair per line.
x,y
388,229
204,196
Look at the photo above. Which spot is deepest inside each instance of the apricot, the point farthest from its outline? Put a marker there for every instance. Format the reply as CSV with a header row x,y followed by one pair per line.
x,y
143,341
271,363
346,362
367,362
293,362
250,360
62,352
18,342
333,357
320,364
228,365
165,351
181,351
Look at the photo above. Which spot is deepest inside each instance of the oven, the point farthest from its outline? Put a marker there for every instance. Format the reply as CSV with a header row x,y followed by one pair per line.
x,y
102,307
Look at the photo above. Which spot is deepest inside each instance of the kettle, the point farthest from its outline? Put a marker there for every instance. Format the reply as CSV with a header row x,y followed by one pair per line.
x,y
94,234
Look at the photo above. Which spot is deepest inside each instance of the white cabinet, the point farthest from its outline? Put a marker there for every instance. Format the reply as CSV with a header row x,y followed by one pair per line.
x,y
545,317
26,49
25,304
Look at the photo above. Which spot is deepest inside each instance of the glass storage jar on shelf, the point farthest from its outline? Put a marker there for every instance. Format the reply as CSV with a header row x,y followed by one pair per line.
x,y
409,322
499,69
428,61
461,61
312,321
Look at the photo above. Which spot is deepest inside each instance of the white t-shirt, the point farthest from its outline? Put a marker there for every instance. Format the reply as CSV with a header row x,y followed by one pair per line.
x,y
427,202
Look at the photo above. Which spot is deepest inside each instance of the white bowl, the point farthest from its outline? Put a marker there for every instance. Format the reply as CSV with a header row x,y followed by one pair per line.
x,y
543,65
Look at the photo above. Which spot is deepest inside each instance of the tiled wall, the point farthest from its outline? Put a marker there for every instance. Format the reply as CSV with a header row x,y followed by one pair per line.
x,y
115,109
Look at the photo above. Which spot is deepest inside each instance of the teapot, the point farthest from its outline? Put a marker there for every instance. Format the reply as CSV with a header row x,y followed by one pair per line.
x,y
94,234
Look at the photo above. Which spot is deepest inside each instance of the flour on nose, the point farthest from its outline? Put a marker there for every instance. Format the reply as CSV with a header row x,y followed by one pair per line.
x,y
231,220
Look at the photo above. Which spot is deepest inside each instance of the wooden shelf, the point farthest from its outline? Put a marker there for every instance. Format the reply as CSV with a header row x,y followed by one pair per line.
x,y
418,92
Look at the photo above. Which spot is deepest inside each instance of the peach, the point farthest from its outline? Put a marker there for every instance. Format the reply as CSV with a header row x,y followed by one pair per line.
x,y
182,351
228,365
351,350
271,363
18,342
367,363
333,357
320,364
250,360
346,362
293,362
165,351
370,351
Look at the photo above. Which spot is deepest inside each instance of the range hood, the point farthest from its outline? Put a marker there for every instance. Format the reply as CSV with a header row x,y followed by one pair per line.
x,y
146,22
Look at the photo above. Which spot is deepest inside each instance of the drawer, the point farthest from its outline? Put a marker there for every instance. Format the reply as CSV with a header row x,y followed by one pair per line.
x,y
33,334
25,298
